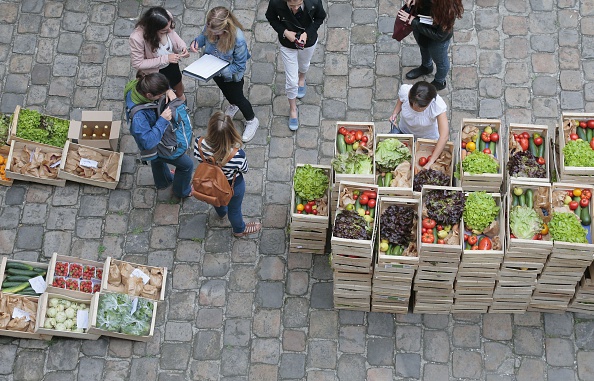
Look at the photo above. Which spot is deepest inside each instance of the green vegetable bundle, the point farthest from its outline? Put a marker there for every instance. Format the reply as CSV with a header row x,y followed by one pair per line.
x,y
578,154
566,227
524,222
31,125
4,125
480,211
353,163
478,162
114,314
310,183
390,153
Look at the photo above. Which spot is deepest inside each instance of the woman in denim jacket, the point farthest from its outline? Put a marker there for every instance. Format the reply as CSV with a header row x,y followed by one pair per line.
x,y
223,37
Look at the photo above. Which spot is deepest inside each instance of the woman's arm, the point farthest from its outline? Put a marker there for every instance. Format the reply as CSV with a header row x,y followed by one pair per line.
x,y
433,32
444,135
148,136
397,110
240,56
273,18
198,42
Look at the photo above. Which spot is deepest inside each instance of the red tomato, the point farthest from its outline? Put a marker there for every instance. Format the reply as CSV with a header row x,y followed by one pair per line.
x,y
523,143
441,241
364,199
463,144
371,203
541,160
315,211
472,240
583,124
494,137
349,138
422,161
487,151
364,139
573,205
355,196
485,244
370,194
591,123
342,130
362,144
307,208
367,212
485,137
465,237
574,137
586,193
475,247
584,202
525,135
428,223
439,228
538,141
312,203
537,236
358,134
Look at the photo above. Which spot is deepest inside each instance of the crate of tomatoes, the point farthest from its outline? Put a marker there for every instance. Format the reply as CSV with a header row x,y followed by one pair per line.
x,y
576,147
527,154
353,152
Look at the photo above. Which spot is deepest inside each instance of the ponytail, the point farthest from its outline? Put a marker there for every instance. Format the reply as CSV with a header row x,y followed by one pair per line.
x,y
153,83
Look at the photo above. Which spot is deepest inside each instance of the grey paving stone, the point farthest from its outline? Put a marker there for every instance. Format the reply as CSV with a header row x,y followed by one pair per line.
x,y
271,268
352,339
585,365
215,265
93,369
466,364
95,348
436,346
347,317
323,325
408,338
29,237
351,367
192,227
558,324
63,355
380,324
528,341
212,292
339,15
269,294
531,370
497,327
498,357
266,323
408,365
321,354
561,374
295,312
380,351
435,372
292,365
321,295
239,304
8,353
436,321
297,283
559,352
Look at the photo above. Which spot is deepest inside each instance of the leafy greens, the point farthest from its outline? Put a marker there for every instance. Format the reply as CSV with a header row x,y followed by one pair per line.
x,y
430,177
566,227
390,153
114,314
524,222
480,210
310,183
34,126
479,162
445,206
524,164
578,154
353,163
350,225
396,224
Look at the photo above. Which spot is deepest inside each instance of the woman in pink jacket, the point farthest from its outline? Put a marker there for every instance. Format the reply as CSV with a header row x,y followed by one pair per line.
x,y
155,47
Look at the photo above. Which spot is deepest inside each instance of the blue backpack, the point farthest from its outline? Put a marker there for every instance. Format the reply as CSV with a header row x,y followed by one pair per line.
x,y
177,137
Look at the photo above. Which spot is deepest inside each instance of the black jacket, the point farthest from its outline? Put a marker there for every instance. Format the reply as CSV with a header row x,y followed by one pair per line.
x,y
432,32
281,17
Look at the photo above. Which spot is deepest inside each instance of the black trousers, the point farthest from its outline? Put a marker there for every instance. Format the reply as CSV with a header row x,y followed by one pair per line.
x,y
233,91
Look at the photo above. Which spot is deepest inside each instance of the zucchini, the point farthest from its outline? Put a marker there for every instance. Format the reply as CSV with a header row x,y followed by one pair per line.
x,y
516,201
372,212
28,292
541,148
481,145
15,289
589,135
533,149
349,147
582,133
529,198
8,284
17,278
388,179
357,204
434,235
380,181
522,199
28,273
585,216
492,146
298,200
398,250
19,266
341,144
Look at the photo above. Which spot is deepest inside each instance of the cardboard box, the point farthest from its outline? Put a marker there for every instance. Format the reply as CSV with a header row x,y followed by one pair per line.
x,y
26,335
5,260
18,144
42,309
64,291
96,129
105,286
62,174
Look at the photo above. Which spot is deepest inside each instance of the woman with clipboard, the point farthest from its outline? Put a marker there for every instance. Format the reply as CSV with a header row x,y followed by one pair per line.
x,y
223,37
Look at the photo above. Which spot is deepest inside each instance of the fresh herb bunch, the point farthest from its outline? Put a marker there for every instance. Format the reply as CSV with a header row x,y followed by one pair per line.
x,y
310,183
4,125
478,162
445,206
566,227
524,164
350,225
480,210
396,224
430,177
578,154
390,153
31,125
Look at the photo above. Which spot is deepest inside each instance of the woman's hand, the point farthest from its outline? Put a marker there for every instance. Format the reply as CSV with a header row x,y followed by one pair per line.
x,y
173,58
170,95
194,46
303,38
393,118
405,17
291,36
166,114
184,53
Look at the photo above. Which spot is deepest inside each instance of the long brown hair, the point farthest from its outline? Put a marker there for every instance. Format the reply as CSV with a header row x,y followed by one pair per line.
x,y
221,20
152,21
445,12
153,83
221,135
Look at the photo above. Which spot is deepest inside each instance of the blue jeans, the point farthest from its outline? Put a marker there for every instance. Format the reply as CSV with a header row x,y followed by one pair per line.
x,y
394,129
233,210
434,51
184,169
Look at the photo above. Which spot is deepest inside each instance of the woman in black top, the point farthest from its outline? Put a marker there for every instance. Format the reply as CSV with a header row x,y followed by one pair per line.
x,y
433,40
296,22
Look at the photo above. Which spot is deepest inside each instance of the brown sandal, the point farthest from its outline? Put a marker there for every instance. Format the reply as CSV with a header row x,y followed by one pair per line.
x,y
250,228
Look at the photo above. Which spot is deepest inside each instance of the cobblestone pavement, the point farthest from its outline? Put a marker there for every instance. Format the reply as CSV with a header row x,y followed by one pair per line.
x,y
245,309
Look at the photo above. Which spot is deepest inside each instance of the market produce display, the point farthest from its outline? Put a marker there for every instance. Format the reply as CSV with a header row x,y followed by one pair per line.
x,y
61,315
124,314
17,313
17,276
398,231
527,155
143,281
530,213
579,143
393,163
355,218
77,277
354,148
571,220
479,149
480,222
442,212
311,186
32,125
34,161
91,164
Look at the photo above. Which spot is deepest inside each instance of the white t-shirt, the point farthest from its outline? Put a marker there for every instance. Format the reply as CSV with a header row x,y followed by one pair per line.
x,y
165,49
421,124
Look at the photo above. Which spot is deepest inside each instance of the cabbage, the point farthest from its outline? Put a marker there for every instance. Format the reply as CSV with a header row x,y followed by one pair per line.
x,y
113,314
51,312
133,326
53,302
70,312
60,317
390,153
524,222
480,210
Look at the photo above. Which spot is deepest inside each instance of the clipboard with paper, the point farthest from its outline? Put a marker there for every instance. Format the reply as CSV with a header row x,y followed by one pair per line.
x,y
205,67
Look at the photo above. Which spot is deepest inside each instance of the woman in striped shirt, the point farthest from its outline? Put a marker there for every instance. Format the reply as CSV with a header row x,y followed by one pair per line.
x,y
220,140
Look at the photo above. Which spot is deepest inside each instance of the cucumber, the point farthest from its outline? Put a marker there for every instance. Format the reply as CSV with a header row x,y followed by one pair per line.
x,y
341,145
380,181
388,179
298,199
582,133
481,145
467,246
398,250
585,217
372,212
7,284
434,235
349,147
28,292
19,266
357,204
533,149
28,273
15,289
522,199
529,198
589,135
516,201
492,146
17,278
541,149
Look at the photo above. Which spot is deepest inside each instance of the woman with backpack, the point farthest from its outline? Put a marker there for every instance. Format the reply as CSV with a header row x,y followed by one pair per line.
x,y
220,142
156,47
223,37
147,127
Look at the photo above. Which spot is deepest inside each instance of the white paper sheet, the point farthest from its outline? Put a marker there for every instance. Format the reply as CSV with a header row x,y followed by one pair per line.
x,y
205,67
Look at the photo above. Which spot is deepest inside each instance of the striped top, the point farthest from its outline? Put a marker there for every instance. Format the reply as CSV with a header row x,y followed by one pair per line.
x,y
237,164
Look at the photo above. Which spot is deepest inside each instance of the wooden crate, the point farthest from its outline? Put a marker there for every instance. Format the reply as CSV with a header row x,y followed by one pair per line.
x,y
12,131
25,335
424,148
106,287
98,331
62,174
353,255
583,300
15,146
32,264
427,302
581,172
41,311
407,191
531,129
490,182
353,126
308,232
391,261
352,291
430,251
65,292
488,256
4,152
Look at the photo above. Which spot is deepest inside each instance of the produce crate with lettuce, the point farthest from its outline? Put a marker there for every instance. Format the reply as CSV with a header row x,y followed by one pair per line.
x,y
65,316
19,277
528,153
31,125
481,155
4,149
18,317
576,147
353,152
310,209
396,260
583,301
122,316
353,231
440,173
34,162
393,158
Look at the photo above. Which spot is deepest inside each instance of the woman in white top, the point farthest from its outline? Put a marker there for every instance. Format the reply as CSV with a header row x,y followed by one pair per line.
x,y
422,114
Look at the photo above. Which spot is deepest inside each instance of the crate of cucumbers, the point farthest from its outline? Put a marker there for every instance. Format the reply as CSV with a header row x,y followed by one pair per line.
x,y
22,277
576,147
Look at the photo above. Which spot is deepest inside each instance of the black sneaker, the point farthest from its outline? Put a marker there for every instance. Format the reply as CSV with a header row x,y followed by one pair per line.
x,y
419,71
439,85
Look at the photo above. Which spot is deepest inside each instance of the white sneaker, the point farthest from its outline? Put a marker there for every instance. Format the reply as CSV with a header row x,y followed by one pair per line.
x,y
250,129
231,110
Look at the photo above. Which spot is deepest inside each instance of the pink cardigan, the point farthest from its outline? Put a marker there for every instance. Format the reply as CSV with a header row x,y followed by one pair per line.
x,y
143,58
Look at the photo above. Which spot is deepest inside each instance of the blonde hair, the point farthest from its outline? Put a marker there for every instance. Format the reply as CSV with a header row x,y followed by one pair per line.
x,y
221,136
221,20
